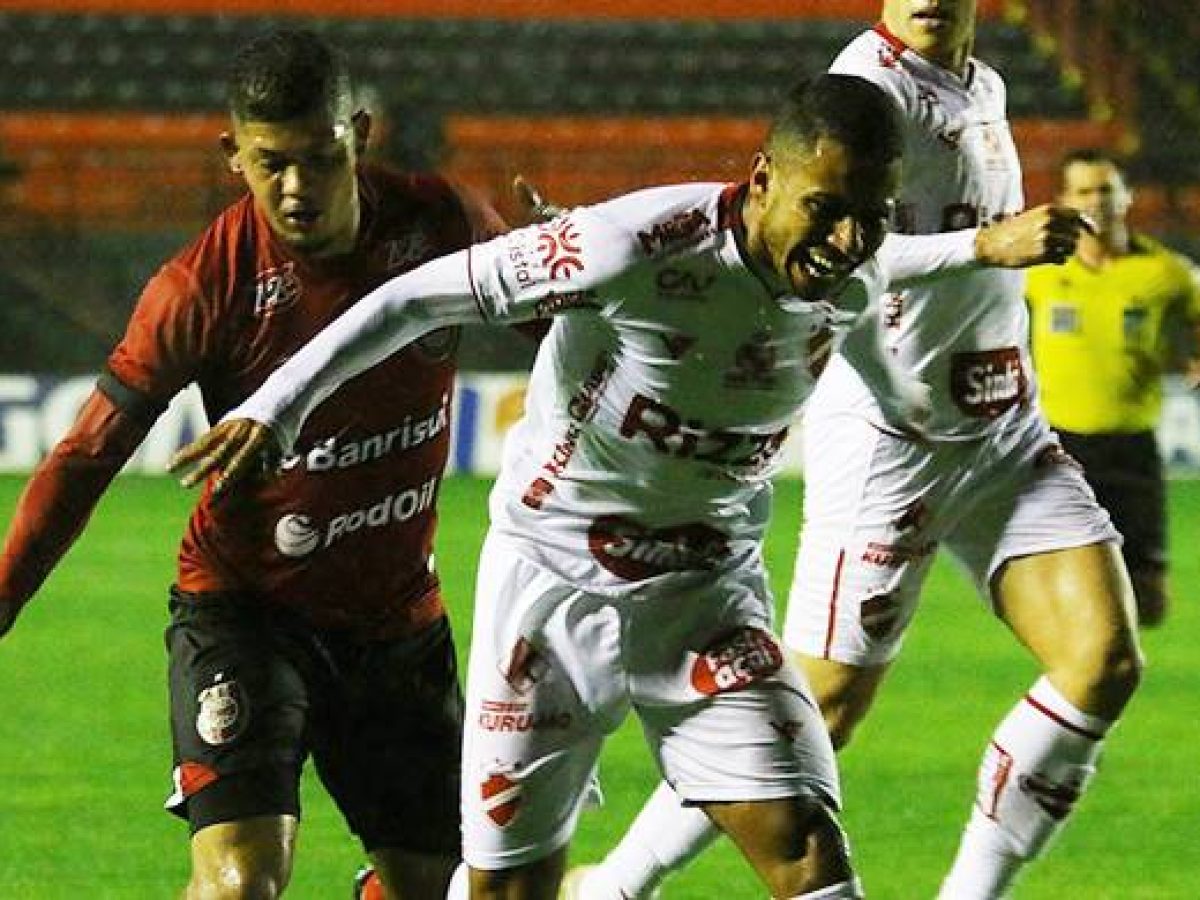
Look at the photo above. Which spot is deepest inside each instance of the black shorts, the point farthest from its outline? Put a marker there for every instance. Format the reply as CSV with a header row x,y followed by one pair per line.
x,y
254,692
1126,472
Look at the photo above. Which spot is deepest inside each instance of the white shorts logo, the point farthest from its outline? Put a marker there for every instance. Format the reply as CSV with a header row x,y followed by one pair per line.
x,y
295,536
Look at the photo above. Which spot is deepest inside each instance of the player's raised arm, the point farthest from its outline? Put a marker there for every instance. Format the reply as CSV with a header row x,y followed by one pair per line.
x,y
507,280
439,294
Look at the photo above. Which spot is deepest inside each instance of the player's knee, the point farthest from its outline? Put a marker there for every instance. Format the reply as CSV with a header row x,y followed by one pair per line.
x,y
820,859
235,879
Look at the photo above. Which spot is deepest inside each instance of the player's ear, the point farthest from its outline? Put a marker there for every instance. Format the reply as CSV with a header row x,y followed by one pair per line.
x,y
230,148
760,173
361,121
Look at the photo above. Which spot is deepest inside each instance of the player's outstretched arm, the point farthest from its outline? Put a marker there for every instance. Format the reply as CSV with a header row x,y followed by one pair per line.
x,y
234,449
60,496
1044,234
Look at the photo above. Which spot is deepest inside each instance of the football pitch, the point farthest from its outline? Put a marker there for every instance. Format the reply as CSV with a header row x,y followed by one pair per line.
x,y
85,753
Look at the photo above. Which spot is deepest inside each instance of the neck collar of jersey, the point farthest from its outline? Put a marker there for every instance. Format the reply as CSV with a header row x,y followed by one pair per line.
x,y
899,48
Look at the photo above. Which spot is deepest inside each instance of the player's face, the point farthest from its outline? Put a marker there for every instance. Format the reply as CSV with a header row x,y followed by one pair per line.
x,y
940,30
813,216
1097,190
302,176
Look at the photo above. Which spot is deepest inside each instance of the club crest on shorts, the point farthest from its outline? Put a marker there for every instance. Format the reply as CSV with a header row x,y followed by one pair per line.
x,y
223,714
736,661
501,797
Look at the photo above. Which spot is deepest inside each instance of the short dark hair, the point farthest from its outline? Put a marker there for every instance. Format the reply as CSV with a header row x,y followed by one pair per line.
x,y
845,108
288,74
1090,156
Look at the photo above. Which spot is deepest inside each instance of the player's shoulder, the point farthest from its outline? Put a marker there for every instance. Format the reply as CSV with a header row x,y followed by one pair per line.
x,y
218,255
875,55
663,220
397,193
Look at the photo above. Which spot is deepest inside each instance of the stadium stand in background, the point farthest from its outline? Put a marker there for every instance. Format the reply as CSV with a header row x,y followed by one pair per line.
x,y
109,110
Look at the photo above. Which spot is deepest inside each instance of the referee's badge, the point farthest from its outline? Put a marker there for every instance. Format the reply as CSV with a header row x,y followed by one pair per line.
x,y
223,712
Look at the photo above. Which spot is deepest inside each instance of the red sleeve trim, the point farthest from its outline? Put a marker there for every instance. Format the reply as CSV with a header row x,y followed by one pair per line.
x,y
896,44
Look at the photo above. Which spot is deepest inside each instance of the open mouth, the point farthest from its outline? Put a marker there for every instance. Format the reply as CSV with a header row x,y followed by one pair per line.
x,y
932,18
816,271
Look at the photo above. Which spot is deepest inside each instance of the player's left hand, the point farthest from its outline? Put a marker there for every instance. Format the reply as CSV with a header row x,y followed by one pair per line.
x,y
1044,234
535,206
234,449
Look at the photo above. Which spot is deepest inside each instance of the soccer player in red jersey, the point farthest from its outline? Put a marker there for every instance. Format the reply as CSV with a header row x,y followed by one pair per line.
x,y
306,618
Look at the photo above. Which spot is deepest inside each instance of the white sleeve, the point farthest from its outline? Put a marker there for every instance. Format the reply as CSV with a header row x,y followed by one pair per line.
x,y
912,258
529,273
435,295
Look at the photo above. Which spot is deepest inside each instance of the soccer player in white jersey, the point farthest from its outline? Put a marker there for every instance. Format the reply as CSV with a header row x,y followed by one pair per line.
x,y
623,568
988,482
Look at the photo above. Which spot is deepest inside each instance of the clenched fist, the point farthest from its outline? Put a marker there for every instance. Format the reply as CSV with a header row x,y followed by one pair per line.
x,y
1044,234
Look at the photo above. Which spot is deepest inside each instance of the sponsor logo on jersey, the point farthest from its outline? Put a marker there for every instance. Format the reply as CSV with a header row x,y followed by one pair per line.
x,y
681,230
670,434
893,310
736,661
674,283
561,253
405,252
581,407
276,289
634,551
223,714
297,535
335,453
1064,318
986,383
558,301
501,796
755,364
518,717
676,343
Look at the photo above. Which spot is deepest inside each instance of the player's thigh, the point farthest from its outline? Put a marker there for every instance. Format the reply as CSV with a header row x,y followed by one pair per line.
x,y
844,692
386,741
1074,609
749,731
869,535
239,708
531,741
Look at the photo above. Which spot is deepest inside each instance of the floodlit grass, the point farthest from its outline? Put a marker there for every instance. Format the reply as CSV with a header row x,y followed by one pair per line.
x,y
85,755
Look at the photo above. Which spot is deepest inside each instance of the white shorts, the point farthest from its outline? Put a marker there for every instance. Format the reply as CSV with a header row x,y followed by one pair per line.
x,y
554,670
876,508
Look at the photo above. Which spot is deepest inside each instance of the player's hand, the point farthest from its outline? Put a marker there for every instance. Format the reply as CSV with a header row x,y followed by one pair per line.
x,y
234,449
1044,234
531,200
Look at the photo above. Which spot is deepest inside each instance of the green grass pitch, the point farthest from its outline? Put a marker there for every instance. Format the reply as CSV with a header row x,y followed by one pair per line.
x,y
84,751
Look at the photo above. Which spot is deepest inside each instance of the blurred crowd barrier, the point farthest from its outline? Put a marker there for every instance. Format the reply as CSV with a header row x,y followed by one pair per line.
x,y
35,412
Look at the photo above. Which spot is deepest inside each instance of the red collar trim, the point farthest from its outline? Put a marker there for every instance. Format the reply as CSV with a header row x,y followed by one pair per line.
x,y
894,42
729,207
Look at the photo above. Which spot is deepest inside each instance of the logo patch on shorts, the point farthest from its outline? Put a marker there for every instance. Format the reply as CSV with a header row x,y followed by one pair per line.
x,y
501,797
736,661
223,713
879,614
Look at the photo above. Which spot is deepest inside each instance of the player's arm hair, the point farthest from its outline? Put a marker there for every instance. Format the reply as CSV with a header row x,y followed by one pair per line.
x,y
59,498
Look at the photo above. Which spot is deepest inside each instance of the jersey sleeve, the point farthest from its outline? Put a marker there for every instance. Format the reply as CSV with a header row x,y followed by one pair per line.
x,y
908,259
159,354
527,274
64,490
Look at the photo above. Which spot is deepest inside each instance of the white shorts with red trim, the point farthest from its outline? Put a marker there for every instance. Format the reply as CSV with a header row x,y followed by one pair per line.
x,y
554,670
877,507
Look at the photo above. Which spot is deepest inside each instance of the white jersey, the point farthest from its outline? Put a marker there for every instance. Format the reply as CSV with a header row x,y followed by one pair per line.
x,y
964,335
660,399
